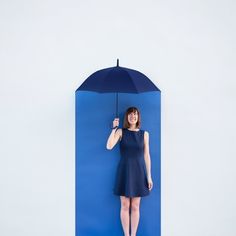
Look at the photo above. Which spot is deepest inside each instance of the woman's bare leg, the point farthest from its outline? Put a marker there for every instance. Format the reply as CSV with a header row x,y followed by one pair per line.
x,y
135,203
124,214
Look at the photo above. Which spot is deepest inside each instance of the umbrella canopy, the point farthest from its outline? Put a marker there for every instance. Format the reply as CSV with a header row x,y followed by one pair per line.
x,y
118,79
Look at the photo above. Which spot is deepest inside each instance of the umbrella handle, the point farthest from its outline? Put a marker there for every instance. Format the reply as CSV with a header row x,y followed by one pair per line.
x,y
111,126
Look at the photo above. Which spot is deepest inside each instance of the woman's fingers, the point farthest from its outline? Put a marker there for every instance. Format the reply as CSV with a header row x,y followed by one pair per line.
x,y
150,185
116,122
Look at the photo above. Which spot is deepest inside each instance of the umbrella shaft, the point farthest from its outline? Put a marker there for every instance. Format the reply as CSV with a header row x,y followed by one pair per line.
x,y
117,105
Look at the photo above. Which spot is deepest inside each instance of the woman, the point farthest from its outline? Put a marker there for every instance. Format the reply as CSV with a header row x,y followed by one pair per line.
x,y
133,176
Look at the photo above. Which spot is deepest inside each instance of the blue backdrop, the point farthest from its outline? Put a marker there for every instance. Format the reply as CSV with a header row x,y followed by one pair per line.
x,y
97,208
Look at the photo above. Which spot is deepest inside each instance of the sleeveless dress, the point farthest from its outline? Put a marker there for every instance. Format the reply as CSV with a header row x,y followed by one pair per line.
x,y
131,176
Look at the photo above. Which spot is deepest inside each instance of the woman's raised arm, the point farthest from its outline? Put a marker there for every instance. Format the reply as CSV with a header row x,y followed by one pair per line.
x,y
114,136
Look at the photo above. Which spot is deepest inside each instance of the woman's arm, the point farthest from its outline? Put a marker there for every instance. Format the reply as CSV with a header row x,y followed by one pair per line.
x,y
113,138
147,155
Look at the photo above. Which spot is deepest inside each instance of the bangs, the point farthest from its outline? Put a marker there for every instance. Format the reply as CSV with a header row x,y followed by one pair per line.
x,y
132,109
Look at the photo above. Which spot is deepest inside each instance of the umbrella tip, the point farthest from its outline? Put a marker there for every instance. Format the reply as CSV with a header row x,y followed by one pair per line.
x,y
117,62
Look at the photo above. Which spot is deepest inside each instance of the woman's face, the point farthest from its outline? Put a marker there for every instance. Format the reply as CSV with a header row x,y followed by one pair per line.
x,y
133,118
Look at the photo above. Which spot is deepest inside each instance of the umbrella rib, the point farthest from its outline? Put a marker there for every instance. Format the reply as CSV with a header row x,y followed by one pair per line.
x,y
132,80
105,77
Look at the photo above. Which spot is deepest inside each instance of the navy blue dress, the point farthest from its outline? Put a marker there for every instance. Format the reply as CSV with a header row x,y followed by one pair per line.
x,y
131,177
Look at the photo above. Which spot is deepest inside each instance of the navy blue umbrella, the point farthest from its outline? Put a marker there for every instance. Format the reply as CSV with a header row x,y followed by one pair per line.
x,y
118,79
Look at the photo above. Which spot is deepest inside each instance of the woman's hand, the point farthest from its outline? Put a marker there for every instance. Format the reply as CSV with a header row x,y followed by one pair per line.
x,y
116,122
150,184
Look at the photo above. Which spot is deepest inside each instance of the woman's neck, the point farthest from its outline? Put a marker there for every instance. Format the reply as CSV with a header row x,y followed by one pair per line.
x,y
132,127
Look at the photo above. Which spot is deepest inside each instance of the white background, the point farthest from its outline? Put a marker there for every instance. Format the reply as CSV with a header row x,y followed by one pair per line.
x,y
48,48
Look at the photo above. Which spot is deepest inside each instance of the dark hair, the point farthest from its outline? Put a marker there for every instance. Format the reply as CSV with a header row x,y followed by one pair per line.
x,y
128,111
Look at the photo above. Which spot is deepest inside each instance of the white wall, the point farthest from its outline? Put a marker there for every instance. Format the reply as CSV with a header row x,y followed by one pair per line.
x,y
48,48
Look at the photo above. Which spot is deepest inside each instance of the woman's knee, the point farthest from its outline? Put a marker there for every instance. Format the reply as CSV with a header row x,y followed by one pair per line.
x,y
125,203
135,203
